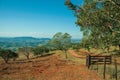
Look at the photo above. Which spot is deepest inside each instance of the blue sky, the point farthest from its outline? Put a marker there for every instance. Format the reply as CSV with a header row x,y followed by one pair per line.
x,y
37,18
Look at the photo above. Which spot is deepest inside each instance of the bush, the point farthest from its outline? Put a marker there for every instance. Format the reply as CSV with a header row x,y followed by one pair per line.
x,y
7,54
40,50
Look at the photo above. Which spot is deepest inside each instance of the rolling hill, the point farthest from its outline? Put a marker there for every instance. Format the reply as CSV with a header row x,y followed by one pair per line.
x,y
14,43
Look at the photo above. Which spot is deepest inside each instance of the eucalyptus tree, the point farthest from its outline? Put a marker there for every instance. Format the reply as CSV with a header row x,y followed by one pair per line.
x,y
50,45
100,19
61,41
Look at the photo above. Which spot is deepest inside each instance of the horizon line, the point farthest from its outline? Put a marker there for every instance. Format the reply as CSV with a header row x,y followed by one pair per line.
x,y
29,36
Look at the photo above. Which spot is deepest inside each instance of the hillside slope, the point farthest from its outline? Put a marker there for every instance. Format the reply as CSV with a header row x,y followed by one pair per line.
x,y
16,42
51,67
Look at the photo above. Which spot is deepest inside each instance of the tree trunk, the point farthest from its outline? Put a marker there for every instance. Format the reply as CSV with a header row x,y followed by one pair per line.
x,y
66,56
103,49
88,49
6,60
108,49
119,47
27,56
14,59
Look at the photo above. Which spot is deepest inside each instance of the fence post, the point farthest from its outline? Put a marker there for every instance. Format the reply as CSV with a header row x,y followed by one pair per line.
x,y
115,69
104,68
88,61
97,66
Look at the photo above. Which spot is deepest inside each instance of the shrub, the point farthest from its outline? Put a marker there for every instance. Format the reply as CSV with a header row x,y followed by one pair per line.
x,y
7,54
41,50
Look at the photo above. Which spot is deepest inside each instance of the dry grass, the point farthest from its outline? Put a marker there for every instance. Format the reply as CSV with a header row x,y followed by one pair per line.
x,y
52,67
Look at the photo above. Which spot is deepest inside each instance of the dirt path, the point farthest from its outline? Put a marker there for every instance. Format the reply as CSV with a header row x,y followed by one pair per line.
x,y
46,68
73,53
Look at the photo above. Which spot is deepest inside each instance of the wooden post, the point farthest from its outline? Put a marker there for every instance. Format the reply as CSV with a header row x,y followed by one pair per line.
x,y
115,69
97,66
104,68
88,61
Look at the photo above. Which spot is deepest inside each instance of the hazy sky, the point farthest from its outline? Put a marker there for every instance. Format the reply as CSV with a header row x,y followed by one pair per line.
x,y
37,18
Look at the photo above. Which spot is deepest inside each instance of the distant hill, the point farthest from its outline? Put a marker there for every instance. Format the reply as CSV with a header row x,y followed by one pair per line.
x,y
16,42
76,40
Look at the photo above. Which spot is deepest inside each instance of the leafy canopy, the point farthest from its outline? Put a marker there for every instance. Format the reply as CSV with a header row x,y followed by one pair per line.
x,y
7,54
99,20
61,41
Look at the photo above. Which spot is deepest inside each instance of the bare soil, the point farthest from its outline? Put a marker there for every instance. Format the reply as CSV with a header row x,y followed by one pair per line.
x,y
51,67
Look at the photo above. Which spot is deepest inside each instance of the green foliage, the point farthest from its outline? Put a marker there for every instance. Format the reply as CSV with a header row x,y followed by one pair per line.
x,y
100,23
7,54
61,41
86,43
76,46
18,42
70,5
40,50
51,46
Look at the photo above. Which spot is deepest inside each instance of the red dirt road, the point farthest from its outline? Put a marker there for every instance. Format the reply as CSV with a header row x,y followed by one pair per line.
x,y
73,53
